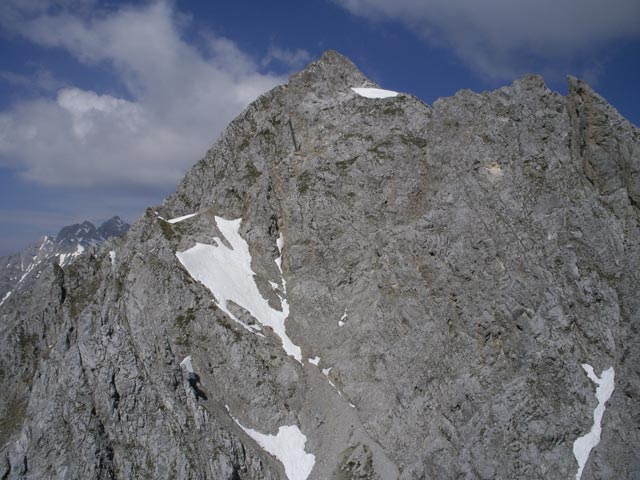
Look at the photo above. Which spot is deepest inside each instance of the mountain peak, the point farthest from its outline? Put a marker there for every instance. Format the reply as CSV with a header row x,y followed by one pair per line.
x,y
333,59
333,70
531,81
360,274
114,227
72,234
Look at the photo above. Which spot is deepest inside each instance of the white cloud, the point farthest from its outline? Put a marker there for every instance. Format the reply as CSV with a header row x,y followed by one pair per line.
x,y
499,38
88,109
180,97
290,58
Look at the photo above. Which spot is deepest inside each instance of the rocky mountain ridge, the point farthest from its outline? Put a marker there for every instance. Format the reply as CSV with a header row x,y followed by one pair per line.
x,y
18,271
352,284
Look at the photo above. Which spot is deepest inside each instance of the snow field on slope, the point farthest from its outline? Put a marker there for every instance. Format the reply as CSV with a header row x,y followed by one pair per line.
x,y
583,445
288,447
227,273
5,298
374,92
67,257
29,268
179,219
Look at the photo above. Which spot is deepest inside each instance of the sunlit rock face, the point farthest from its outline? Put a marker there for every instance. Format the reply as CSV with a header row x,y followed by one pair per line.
x,y
352,284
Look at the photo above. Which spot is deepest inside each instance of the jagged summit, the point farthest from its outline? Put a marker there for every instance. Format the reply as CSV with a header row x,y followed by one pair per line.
x,y
87,235
114,227
84,232
380,288
330,72
18,271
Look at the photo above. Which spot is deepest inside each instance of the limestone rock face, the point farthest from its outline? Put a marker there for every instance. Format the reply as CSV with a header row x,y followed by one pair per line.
x,y
445,272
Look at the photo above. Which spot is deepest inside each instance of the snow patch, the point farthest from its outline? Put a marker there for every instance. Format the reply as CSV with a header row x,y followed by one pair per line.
x,y
112,256
494,169
343,318
375,92
179,219
334,386
325,372
288,447
280,243
29,268
65,258
5,298
186,364
314,361
227,273
583,445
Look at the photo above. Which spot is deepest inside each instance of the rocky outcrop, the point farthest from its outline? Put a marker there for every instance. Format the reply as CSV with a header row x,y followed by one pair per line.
x,y
445,271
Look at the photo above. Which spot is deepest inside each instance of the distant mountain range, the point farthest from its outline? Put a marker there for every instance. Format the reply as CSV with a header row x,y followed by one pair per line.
x,y
18,270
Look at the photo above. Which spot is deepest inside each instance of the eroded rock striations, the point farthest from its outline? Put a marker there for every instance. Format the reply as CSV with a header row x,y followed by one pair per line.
x,y
445,272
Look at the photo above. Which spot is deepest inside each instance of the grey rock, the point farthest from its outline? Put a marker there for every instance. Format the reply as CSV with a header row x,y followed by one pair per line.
x,y
482,248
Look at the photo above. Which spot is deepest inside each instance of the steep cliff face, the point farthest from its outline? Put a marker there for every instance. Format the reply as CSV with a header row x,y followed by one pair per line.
x,y
352,287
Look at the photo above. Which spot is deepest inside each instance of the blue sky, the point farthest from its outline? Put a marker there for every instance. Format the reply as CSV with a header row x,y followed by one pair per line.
x,y
104,105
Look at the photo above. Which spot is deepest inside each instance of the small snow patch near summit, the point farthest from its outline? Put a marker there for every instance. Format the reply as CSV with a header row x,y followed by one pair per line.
x,y
374,92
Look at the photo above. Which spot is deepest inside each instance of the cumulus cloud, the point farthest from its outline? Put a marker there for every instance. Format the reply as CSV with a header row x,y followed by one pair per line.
x,y
88,108
179,97
499,38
